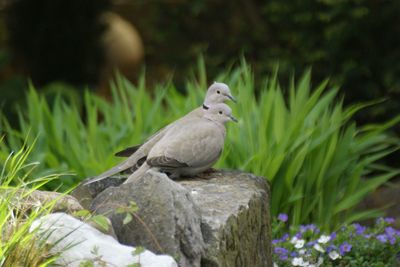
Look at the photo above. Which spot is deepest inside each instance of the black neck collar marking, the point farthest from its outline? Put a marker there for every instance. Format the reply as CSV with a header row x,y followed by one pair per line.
x,y
205,107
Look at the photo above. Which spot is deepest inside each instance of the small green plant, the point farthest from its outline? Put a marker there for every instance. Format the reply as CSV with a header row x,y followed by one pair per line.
x,y
319,163
19,246
350,245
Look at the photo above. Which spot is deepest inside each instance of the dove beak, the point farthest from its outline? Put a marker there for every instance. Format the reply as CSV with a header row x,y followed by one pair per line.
x,y
231,98
233,119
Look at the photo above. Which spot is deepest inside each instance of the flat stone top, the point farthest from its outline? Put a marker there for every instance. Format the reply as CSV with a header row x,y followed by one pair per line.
x,y
223,193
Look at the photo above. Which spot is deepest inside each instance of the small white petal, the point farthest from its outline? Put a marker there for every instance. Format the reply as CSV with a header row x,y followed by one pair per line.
x,y
297,261
299,243
320,261
319,248
333,255
324,239
294,240
302,251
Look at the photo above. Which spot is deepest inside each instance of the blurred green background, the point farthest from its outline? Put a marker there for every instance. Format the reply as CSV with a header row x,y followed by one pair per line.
x,y
355,43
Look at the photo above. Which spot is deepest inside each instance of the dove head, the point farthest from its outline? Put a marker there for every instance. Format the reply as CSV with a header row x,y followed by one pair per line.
x,y
218,93
220,113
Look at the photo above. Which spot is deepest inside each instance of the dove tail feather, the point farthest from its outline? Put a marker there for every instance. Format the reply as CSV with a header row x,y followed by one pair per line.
x,y
117,169
138,173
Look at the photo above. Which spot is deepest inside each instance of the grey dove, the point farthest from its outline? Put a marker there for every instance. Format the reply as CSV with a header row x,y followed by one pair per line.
x,y
191,146
216,93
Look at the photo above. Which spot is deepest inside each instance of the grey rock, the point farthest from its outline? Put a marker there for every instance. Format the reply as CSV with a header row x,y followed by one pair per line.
x,y
235,218
167,220
25,200
234,209
86,193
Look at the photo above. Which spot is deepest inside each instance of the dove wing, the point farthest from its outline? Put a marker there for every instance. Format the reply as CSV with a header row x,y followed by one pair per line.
x,y
195,144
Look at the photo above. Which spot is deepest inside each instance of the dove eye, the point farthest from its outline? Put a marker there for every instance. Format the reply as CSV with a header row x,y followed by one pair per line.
x,y
218,92
220,112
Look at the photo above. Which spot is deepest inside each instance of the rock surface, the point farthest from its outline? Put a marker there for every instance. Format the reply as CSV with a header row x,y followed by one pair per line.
x,y
235,218
167,220
26,200
86,193
233,208
79,242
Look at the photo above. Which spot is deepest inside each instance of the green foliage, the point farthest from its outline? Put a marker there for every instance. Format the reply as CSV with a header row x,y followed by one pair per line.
x,y
315,158
18,245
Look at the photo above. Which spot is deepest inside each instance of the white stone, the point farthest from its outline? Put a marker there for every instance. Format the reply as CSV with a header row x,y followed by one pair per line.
x,y
81,242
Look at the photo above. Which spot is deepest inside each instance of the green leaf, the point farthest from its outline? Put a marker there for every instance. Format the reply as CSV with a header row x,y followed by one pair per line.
x,y
87,263
101,221
127,219
138,250
82,213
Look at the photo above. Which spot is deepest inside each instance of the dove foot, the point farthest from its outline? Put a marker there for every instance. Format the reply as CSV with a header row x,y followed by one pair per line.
x,y
210,170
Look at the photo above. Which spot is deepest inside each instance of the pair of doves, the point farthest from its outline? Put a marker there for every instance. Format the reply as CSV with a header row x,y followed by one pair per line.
x,y
187,146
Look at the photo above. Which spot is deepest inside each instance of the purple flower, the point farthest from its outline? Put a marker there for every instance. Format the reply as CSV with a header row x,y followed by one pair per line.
x,y
389,220
333,236
368,236
345,247
331,248
391,234
298,235
392,240
281,251
359,228
382,238
283,257
282,239
285,237
294,254
309,227
390,231
282,217
311,243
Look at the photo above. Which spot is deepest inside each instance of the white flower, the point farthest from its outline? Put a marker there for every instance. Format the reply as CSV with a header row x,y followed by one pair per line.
x,y
319,248
275,265
294,240
324,239
312,265
333,255
300,262
320,261
297,261
302,251
299,243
